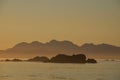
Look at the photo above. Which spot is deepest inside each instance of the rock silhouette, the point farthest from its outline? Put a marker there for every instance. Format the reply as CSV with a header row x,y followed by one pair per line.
x,y
60,58
13,60
16,60
91,61
37,58
7,60
79,58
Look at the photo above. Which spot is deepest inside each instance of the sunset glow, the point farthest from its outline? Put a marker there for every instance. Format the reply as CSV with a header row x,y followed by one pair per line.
x,y
80,21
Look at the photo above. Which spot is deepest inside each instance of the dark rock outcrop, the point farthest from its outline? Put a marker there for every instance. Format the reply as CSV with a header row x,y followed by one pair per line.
x,y
7,60
41,59
79,58
91,61
61,58
16,60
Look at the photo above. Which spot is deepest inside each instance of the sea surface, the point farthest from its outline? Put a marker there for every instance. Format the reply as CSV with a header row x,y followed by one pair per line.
x,y
103,70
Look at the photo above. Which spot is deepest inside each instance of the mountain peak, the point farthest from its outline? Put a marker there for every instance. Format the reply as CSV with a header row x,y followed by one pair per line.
x,y
53,41
88,45
64,42
22,44
56,41
36,43
68,47
68,42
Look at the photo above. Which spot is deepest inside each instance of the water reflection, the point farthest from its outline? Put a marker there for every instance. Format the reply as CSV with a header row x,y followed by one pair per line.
x,y
49,71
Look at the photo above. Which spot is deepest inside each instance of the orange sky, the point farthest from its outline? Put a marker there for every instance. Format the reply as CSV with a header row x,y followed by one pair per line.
x,y
80,21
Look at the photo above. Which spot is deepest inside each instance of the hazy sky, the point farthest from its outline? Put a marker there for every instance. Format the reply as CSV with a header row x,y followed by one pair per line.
x,y
80,21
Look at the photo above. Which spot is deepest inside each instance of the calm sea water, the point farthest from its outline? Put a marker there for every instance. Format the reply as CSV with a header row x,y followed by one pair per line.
x,y
54,71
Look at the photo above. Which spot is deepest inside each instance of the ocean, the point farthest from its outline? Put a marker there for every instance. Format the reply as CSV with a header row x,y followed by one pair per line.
x,y
103,70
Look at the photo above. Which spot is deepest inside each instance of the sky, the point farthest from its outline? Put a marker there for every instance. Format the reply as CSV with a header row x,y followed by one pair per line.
x,y
80,21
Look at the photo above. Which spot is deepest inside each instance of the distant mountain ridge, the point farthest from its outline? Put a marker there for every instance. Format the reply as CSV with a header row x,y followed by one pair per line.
x,y
54,47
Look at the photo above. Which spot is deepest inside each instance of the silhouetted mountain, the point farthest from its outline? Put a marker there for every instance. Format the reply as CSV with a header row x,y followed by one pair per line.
x,y
101,50
55,47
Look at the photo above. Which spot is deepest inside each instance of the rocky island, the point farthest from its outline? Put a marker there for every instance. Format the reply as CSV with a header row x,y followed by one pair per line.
x,y
62,58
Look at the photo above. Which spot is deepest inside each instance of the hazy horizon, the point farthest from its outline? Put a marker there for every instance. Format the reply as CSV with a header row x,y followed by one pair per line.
x,y
80,21
60,41
55,47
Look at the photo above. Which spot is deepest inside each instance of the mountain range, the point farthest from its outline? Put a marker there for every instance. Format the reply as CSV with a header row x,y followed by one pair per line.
x,y
54,47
